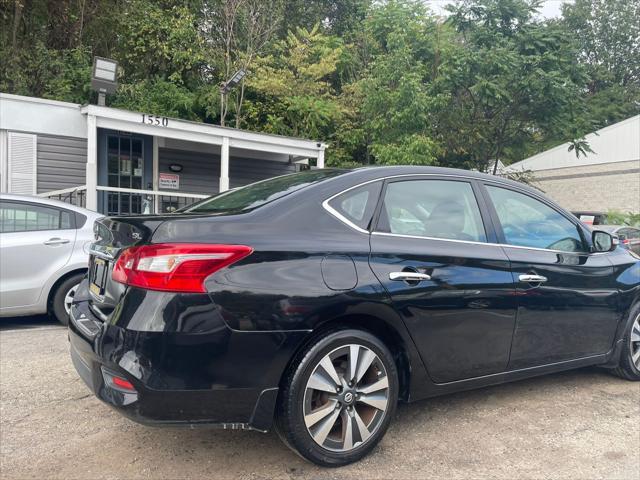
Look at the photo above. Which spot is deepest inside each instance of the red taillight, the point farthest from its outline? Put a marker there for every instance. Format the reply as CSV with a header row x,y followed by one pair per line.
x,y
625,241
175,267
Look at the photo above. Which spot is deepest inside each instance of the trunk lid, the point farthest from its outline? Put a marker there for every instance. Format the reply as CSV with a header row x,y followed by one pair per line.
x,y
112,236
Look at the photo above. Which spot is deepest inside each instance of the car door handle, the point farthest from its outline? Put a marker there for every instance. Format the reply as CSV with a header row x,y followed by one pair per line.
x,y
529,278
56,241
409,276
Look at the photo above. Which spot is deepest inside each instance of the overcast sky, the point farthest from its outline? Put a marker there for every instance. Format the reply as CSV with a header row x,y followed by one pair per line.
x,y
550,8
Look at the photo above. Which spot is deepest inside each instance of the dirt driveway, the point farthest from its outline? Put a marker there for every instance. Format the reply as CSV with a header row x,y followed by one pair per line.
x,y
578,425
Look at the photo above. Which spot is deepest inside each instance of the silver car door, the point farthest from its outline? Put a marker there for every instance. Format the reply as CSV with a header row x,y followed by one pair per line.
x,y
35,242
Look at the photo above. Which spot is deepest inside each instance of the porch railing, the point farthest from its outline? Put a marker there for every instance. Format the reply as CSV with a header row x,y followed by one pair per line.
x,y
74,195
126,201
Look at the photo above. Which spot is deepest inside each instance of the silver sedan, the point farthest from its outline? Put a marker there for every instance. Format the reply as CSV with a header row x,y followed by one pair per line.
x,y
43,254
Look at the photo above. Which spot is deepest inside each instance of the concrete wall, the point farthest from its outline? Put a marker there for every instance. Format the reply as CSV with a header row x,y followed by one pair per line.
x,y
600,187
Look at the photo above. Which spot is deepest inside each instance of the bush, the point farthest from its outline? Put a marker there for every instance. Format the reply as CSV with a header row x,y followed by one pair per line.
x,y
620,218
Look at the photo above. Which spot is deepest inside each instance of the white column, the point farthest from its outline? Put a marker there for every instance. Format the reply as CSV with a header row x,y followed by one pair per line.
x,y
4,162
224,165
320,159
156,171
92,163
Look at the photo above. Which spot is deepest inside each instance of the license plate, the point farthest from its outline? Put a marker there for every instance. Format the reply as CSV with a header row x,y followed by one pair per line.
x,y
98,276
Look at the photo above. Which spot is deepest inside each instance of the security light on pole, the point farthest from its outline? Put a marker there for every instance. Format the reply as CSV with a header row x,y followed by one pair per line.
x,y
103,77
233,82
226,87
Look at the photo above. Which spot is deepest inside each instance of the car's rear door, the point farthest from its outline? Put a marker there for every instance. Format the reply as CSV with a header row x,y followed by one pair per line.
x,y
434,252
567,296
36,241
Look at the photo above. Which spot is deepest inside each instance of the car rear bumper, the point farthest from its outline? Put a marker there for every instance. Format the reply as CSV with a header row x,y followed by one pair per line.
x,y
183,379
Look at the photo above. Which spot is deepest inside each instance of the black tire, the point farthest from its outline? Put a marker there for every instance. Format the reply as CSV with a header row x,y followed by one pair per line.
x,y
626,368
290,421
57,309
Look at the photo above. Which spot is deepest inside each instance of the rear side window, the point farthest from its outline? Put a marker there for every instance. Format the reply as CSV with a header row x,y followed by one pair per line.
x,y
26,217
432,208
357,205
528,222
260,193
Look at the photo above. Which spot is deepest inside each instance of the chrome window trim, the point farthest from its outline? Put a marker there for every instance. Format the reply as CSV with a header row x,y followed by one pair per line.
x,y
341,217
418,237
504,245
347,222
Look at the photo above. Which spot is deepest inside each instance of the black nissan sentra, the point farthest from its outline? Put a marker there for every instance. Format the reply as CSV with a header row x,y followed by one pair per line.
x,y
314,302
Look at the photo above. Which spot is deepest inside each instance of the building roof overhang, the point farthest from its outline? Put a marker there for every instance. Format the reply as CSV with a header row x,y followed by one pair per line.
x,y
138,122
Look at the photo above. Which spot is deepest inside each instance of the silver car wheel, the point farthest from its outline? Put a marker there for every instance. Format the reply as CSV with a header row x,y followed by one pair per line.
x,y
634,342
346,398
68,298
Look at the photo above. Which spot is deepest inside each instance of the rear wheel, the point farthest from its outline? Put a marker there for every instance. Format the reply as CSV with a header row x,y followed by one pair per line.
x,y
339,399
63,297
629,366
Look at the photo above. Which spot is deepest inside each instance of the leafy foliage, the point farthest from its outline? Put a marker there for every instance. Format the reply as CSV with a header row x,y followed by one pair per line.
x,y
620,218
292,86
383,82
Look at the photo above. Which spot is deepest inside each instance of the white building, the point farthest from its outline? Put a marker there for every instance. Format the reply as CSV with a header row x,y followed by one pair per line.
x,y
118,162
607,179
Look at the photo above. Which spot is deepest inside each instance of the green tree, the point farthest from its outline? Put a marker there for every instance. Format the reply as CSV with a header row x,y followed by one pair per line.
x,y
290,89
161,55
607,33
400,55
511,82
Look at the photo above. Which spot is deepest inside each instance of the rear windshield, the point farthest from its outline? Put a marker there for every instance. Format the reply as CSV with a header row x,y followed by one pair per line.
x,y
260,193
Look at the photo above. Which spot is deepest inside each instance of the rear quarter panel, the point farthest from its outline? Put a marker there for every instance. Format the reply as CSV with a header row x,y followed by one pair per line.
x,y
291,280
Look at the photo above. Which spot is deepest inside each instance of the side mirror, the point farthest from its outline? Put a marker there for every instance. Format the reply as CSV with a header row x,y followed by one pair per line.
x,y
603,241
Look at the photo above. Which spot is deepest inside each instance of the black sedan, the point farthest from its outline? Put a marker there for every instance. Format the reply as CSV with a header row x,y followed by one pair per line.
x,y
316,301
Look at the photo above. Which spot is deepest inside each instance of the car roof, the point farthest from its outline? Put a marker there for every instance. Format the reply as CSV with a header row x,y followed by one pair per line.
x,y
371,173
48,201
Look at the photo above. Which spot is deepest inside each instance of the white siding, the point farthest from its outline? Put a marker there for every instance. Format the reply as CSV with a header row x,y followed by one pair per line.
x,y
22,149
616,143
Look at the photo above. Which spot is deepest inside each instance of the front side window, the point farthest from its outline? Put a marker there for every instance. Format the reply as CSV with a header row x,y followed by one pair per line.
x,y
23,217
527,222
432,208
357,205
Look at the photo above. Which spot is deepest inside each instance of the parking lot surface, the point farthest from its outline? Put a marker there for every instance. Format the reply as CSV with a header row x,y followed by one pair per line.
x,y
577,425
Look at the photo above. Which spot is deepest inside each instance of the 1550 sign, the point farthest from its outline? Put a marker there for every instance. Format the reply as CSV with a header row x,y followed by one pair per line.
x,y
155,120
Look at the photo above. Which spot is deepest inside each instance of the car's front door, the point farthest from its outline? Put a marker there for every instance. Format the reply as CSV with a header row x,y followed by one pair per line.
x,y
35,241
450,283
567,296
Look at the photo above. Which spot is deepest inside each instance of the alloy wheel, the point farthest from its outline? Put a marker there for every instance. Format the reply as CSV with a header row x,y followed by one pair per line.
x,y
634,342
346,398
68,298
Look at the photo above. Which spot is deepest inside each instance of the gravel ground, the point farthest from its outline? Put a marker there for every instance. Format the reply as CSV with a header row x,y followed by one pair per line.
x,y
577,425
